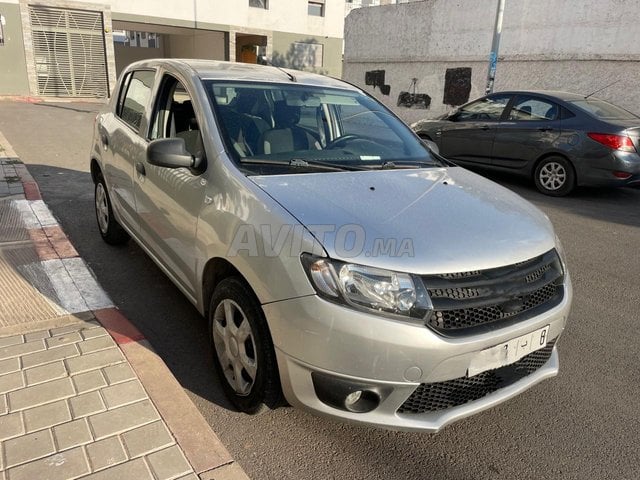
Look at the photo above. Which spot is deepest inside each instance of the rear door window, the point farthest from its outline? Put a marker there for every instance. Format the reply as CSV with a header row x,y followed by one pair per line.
x,y
136,99
533,109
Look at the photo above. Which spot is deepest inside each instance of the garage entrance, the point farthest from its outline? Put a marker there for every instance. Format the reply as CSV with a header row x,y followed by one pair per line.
x,y
69,52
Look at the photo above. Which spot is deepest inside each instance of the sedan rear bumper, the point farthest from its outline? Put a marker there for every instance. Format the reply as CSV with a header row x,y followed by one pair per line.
x,y
608,171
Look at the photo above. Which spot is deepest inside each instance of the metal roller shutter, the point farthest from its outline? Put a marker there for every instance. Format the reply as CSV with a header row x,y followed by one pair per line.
x,y
69,51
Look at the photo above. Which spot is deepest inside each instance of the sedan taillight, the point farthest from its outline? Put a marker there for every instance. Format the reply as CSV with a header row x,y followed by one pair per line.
x,y
617,142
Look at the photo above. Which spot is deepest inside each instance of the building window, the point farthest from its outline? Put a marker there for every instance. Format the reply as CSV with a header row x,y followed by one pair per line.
x,y
316,9
264,4
308,54
131,38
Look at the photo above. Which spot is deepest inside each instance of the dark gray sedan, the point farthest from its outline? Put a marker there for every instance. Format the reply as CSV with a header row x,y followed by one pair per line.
x,y
558,139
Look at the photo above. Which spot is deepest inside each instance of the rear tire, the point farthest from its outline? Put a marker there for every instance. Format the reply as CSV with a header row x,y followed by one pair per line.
x,y
244,356
109,228
555,176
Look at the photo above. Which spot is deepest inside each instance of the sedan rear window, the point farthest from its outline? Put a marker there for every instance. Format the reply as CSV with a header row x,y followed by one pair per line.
x,y
604,110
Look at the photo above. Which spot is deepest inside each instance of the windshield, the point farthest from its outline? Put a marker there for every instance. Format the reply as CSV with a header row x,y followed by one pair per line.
x,y
281,125
604,110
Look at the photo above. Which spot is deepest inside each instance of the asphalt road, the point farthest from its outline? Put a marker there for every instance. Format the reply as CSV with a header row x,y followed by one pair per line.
x,y
584,424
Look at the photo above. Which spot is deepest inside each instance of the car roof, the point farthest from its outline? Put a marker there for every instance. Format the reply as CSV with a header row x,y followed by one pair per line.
x,y
232,71
558,94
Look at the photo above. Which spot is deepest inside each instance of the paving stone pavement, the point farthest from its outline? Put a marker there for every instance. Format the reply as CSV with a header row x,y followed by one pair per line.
x,y
71,405
82,393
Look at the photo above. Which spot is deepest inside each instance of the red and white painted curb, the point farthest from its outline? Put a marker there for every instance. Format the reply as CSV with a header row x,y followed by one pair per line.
x,y
71,278
78,291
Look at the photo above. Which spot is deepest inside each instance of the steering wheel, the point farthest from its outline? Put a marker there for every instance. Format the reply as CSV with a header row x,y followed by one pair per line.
x,y
336,142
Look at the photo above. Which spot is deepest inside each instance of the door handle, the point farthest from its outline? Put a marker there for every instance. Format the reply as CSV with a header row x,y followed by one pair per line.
x,y
140,168
484,127
545,129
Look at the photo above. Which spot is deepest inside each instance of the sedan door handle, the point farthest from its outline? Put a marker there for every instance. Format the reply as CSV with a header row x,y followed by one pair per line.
x,y
140,168
545,129
484,127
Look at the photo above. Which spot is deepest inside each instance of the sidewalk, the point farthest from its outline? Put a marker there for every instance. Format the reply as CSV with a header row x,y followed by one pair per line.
x,y
82,393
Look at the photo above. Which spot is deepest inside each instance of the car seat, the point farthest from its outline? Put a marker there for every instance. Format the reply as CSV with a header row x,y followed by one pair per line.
x,y
287,136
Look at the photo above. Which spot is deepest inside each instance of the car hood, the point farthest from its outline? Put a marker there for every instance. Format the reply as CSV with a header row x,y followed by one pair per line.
x,y
438,220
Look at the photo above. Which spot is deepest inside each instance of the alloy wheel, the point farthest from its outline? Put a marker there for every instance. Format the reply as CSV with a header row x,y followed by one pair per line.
x,y
102,208
235,346
552,176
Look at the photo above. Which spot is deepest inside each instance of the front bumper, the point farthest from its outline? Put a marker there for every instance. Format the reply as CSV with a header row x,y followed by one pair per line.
x,y
313,335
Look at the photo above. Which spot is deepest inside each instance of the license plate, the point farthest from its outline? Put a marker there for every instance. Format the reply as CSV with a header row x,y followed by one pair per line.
x,y
508,352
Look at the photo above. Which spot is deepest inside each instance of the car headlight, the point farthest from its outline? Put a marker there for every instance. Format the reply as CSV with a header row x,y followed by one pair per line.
x,y
367,288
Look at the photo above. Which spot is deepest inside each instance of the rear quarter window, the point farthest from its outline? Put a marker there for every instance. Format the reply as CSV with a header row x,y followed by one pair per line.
x,y
603,110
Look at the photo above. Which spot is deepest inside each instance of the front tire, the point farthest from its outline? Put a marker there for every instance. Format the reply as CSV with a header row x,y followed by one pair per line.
x,y
110,229
244,356
555,176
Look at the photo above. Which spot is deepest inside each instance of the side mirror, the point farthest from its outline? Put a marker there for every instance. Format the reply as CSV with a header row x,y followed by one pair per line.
x,y
433,146
169,153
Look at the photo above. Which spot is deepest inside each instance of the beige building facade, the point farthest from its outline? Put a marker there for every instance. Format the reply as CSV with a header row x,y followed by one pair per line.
x,y
68,48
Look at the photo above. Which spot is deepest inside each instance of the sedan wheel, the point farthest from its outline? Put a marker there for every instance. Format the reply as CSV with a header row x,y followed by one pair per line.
x,y
235,346
102,209
244,354
110,229
555,176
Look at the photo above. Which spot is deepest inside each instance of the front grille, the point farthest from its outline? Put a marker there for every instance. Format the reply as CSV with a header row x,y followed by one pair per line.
x,y
469,300
431,397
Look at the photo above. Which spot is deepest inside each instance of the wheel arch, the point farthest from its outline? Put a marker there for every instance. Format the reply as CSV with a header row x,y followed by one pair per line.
x,y
96,171
216,270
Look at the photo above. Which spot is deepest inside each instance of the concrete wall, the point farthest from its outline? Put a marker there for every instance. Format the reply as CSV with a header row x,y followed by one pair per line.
x,y
198,44
126,55
13,67
332,51
573,45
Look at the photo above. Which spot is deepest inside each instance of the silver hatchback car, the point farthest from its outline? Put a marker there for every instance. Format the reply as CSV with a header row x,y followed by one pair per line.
x,y
343,266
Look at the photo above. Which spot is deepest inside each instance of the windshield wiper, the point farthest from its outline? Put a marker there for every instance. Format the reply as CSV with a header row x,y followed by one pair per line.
x,y
390,165
303,164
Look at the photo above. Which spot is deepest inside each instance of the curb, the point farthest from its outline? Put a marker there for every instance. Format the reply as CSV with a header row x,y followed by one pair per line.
x,y
203,449
36,99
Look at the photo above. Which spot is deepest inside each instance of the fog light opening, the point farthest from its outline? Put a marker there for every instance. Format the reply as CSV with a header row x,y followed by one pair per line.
x,y
361,401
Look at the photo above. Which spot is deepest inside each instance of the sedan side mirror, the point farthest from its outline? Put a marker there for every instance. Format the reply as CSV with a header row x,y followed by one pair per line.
x,y
169,153
433,146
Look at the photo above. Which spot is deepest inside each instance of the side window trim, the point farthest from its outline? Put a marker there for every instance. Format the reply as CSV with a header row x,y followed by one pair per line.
x,y
123,92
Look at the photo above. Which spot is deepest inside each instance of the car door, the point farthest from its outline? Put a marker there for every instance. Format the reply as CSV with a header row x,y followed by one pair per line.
x,y
122,143
468,138
531,127
169,200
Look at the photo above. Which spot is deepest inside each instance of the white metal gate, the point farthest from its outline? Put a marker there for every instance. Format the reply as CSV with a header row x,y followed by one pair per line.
x,y
69,52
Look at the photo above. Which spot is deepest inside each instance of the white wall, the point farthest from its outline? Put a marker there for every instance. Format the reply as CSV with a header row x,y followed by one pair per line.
x,y
282,15
574,45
